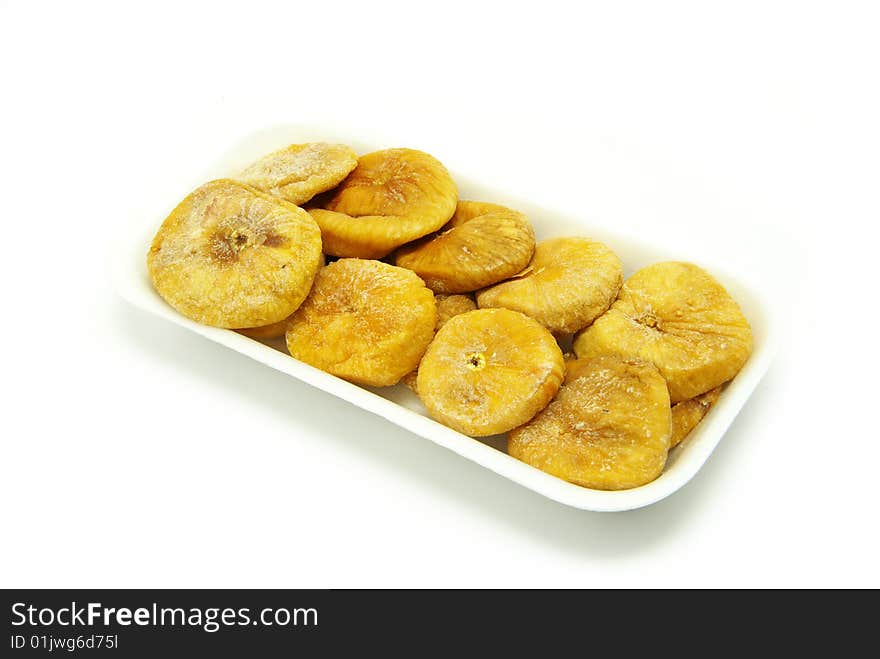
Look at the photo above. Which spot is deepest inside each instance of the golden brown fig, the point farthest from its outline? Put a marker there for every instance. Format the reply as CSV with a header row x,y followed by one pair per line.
x,y
364,321
608,429
569,283
677,316
688,413
300,171
392,197
481,245
232,256
488,371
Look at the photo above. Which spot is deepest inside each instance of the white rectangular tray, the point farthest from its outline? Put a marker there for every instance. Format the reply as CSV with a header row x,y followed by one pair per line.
x,y
399,405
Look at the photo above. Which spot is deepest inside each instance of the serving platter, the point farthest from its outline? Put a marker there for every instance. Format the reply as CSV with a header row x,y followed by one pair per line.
x,y
398,404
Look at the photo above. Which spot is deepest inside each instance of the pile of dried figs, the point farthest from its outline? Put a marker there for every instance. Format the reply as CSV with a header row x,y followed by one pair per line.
x,y
375,271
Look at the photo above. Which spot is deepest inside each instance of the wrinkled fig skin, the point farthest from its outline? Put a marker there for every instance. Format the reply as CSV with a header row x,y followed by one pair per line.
x,y
298,172
365,321
481,245
392,197
232,256
569,283
678,317
608,428
488,371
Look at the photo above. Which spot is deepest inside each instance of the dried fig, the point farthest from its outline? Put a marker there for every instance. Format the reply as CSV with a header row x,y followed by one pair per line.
x,y
364,321
488,371
569,283
481,245
232,256
392,197
677,316
608,428
300,171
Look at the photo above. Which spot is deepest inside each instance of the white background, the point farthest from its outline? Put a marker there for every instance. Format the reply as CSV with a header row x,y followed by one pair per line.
x,y
137,454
